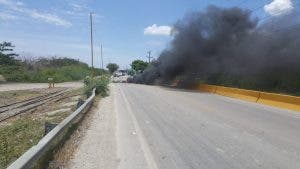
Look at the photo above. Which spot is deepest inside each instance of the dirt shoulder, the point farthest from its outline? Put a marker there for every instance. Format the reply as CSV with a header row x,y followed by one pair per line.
x,y
27,86
93,145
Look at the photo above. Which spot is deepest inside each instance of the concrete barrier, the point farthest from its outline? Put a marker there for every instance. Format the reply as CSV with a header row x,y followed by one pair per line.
x,y
207,88
248,95
281,101
272,99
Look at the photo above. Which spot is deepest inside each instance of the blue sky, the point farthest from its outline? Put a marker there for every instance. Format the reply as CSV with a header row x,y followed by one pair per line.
x,y
126,28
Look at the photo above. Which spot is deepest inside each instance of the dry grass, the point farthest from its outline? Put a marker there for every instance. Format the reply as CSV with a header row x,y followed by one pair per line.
x,y
65,153
20,133
8,97
18,137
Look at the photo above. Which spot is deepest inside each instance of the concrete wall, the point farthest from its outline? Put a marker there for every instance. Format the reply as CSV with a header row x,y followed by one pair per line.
x,y
272,99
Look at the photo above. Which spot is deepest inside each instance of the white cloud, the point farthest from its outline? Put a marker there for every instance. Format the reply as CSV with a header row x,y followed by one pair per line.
x,y
6,16
33,13
78,7
49,18
278,7
158,30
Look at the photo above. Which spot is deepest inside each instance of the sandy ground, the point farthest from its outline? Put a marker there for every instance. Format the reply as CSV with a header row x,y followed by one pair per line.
x,y
98,148
25,86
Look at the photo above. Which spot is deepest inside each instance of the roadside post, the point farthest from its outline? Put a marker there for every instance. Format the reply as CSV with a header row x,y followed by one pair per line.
x,y
50,82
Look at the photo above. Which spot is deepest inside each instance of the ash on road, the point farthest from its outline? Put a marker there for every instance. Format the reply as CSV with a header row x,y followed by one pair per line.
x,y
157,127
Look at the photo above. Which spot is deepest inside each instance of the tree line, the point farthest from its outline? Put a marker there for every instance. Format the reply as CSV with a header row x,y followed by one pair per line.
x,y
61,69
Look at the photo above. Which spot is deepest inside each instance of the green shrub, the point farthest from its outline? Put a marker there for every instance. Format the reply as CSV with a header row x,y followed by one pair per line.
x,y
14,73
100,83
60,69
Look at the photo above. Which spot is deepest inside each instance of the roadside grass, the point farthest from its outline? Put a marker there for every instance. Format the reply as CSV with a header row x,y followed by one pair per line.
x,y
65,152
18,137
59,74
58,117
79,91
40,69
100,83
20,134
7,97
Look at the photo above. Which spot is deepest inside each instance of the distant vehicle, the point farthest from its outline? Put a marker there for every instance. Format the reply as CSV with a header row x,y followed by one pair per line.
x,y
120,73
120,76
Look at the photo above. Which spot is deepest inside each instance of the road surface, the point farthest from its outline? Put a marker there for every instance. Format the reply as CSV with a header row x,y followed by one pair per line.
x,y
27,86
163,128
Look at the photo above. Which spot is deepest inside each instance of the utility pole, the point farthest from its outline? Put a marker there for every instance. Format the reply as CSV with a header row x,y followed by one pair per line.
x,y
92,42
102,57
149,56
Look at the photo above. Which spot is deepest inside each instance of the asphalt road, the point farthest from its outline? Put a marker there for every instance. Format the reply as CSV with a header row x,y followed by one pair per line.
x,y
165,128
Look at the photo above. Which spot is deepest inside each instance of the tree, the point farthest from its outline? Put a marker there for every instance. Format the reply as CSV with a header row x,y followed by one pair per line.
x,y
131,72
112,67
139,65
10,67
7,57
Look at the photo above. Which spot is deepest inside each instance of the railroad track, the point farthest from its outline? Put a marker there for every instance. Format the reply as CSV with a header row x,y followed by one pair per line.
x,y
16,108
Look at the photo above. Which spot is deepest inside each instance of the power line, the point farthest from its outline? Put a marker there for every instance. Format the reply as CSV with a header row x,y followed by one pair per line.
x,y
241,3
277,12
282,29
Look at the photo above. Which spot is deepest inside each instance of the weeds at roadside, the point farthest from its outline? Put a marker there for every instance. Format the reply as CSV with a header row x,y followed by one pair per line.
x,y
18,137
100,83
20,134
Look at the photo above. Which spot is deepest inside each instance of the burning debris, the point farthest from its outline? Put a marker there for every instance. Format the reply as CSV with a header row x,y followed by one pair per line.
x,y
229,47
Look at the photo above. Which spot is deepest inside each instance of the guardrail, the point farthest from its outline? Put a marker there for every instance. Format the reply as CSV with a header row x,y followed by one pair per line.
x,y
38,153
272,99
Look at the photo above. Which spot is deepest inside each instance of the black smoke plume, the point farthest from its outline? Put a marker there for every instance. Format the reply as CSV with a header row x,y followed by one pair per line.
x,y
227,46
